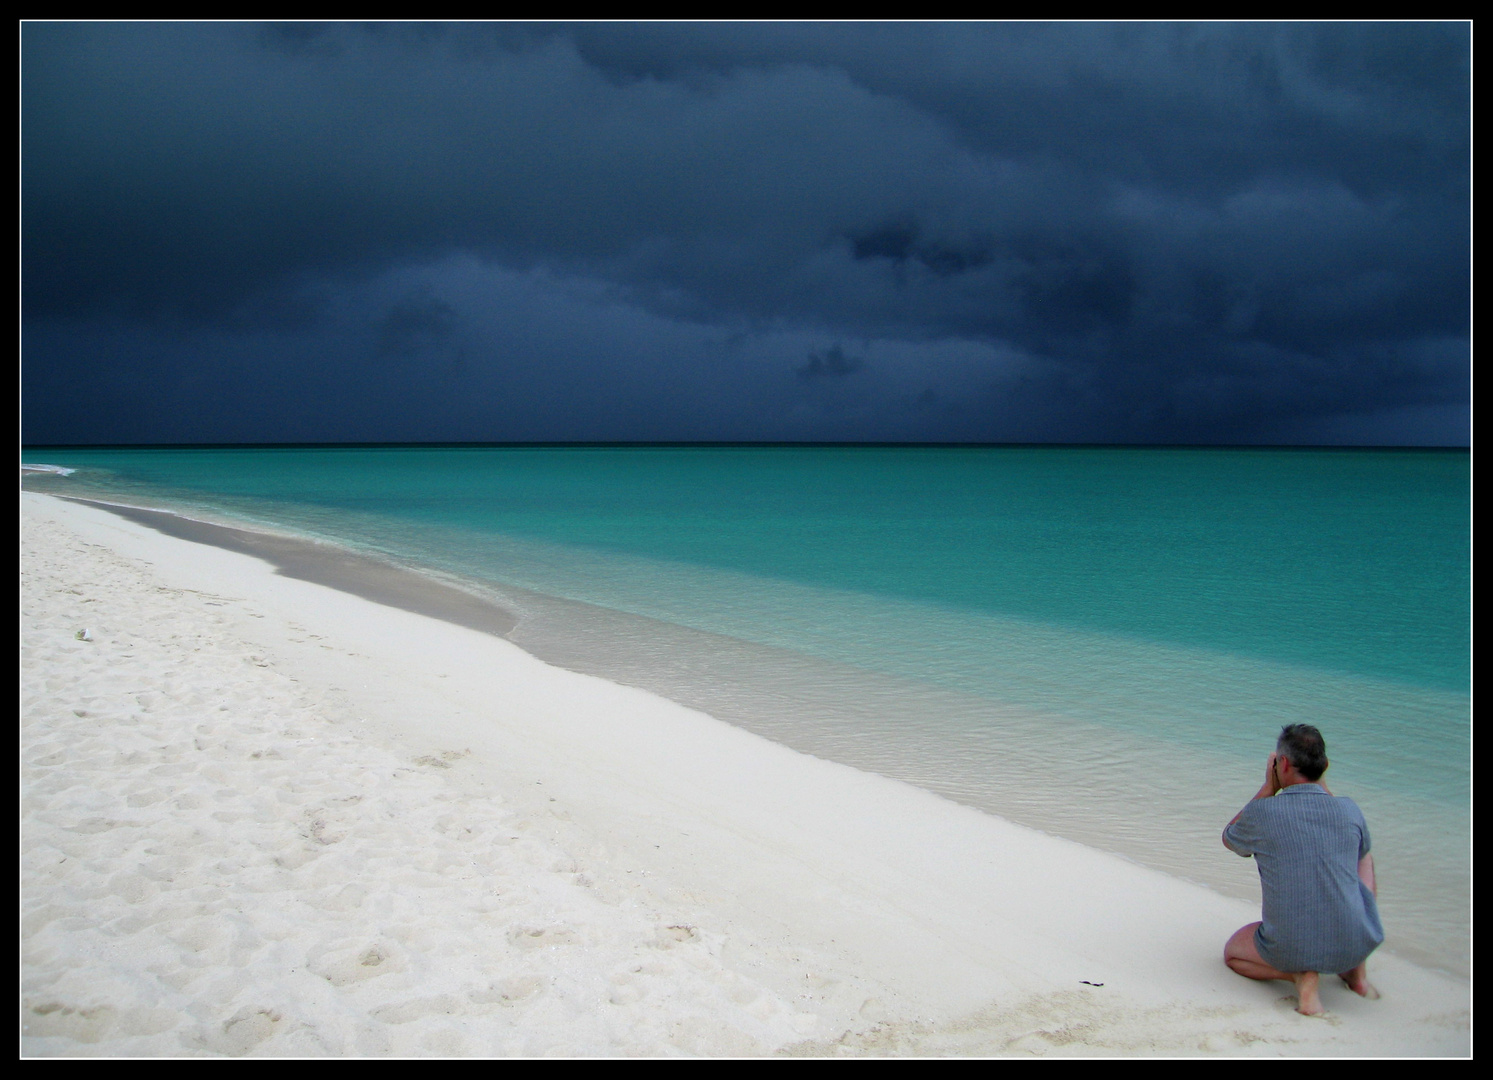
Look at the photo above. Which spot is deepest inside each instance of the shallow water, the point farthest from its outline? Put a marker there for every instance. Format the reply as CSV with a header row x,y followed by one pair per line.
x,y
1099,643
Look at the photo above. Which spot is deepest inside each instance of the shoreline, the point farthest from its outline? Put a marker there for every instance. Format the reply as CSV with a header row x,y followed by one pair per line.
x,y
787,904
862,718
336,568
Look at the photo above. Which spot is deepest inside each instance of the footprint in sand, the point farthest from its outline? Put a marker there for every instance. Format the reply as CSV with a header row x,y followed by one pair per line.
x,y
52,1018
243,1031
540,937
669,936
345,967
625,990
403,1012
510,991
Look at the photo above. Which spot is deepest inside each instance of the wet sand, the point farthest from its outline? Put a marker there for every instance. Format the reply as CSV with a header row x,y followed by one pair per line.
x,y
336,568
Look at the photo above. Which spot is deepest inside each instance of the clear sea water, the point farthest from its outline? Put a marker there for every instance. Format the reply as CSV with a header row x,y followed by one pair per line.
x,y
1098,642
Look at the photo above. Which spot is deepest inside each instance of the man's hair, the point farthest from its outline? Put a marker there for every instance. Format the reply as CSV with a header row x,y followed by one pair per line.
x,y
1303,744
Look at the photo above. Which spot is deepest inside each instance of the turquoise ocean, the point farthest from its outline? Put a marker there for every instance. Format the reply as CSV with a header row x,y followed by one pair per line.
x,y
1098,642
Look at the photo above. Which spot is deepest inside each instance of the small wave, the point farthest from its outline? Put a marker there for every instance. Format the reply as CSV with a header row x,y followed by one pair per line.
x,y
60,470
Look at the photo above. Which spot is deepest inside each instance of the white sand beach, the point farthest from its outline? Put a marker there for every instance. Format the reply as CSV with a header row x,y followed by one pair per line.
x,y
265,817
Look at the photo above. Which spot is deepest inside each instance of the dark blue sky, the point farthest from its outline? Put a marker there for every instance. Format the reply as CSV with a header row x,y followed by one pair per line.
x,y
1198,233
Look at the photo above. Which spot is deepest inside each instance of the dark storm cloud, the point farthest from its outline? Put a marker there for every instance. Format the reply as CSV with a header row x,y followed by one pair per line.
x,y
1144,231
831,363
413,322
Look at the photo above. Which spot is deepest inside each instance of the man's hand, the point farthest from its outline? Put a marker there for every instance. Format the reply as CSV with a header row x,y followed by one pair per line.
x,y
1267,789
1272,776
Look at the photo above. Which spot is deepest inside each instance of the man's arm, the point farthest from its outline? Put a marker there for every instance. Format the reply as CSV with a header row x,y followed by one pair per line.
x,y
1267,789
1366,874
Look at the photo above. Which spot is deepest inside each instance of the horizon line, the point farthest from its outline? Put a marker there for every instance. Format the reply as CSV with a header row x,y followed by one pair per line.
x,y
723,443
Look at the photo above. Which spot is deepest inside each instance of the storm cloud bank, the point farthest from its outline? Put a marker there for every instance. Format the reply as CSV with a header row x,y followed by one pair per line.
x,y
991,232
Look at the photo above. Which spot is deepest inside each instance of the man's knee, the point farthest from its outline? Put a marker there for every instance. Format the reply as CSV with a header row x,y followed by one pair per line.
x,y
1241,946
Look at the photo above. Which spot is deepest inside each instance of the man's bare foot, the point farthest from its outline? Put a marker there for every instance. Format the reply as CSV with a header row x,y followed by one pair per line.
x,y
1357,981
1307,1001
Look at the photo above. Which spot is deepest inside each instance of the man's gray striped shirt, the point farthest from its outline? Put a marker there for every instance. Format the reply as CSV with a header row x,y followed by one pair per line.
x,y
1317,915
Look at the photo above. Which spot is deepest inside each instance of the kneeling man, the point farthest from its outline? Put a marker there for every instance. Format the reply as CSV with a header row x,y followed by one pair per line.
x,y
1316,876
